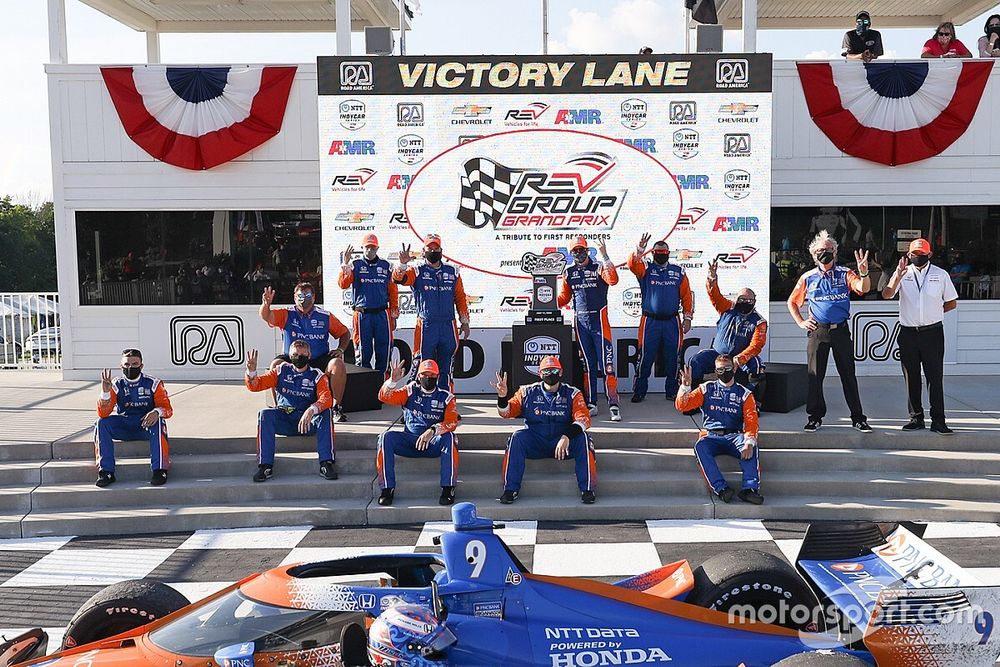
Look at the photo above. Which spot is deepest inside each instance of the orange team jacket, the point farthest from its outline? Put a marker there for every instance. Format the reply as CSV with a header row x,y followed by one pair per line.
x,y
136,399
434,304
422,410
759,338
297,396
695,399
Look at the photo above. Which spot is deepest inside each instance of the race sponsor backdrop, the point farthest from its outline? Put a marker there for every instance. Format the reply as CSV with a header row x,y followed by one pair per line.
x,y
508,155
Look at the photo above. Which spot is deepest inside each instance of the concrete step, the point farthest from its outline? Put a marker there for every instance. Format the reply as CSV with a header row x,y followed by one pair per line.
x,y
10,524
26,451
859,484
15,499
826,508
20,472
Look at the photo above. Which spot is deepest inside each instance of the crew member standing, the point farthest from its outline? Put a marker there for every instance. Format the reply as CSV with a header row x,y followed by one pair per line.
x,y
827,290
375,302
438,292
586,283
665,290
926,293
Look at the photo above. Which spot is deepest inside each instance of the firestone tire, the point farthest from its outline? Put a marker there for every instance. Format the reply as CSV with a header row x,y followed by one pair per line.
x,y
817,659
760,582
121,607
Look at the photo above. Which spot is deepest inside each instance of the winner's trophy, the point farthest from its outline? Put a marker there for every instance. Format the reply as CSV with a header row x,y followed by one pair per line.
x,y
544,269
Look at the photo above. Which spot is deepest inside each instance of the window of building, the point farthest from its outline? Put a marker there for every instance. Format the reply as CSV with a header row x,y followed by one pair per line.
x,y
144,258
965,239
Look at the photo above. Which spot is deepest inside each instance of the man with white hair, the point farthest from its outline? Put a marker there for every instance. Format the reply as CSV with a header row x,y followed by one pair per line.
x,y
827,290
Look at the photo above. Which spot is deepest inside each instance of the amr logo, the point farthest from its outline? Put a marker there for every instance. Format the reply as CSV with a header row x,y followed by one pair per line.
x,y
875,336
200,341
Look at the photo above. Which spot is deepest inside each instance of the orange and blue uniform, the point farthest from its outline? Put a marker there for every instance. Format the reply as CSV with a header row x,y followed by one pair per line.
x,y
740,336
295,392
437,293
421,410
119,417
665,290
730,415
586,286
548,416
315,327
375,300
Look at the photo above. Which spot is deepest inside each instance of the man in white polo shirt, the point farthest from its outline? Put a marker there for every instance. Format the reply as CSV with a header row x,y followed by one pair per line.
x,y
926,293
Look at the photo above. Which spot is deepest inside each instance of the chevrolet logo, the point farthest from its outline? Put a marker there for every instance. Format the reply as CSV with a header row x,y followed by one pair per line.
x,y
738,108
687,254
354,216
471,110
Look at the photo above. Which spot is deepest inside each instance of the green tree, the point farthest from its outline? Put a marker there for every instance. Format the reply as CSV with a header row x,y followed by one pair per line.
x,y
27,247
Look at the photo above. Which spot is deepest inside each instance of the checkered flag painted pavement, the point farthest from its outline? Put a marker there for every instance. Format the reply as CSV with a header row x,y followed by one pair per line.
x,y
486,189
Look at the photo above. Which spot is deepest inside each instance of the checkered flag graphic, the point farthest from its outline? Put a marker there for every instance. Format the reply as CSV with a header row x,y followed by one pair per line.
x,y
486,189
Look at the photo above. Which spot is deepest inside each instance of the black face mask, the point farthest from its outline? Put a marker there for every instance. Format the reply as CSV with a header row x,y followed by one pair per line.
x,y
299,360
825,257
744,307
428,383
919,261
661,258
433,256
132,372
726,376
551,379
580,257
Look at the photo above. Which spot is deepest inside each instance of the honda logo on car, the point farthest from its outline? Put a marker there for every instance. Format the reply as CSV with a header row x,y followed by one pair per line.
x,y
536,348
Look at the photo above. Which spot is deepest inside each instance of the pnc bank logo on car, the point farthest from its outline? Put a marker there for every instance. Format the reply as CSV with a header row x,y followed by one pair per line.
x,y
352,147
578,117
742,223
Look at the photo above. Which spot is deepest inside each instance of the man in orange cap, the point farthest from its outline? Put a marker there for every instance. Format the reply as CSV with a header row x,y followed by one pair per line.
x,y
926,293
429,422
375,300
438,293
586,283
556,420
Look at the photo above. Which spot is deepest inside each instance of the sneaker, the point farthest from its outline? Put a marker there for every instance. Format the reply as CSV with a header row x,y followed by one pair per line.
x,y
726,495
508,497
337,414
812,425
159,477
104,478
593,409
638,398
616,413
328,469
914,425
941,428
751,496
671,396
264,473
385,498
588,497
862,426
447,495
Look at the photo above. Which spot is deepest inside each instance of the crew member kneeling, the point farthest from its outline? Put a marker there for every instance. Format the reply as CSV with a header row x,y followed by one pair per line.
x,y
557,419
303,408
730,428
430,419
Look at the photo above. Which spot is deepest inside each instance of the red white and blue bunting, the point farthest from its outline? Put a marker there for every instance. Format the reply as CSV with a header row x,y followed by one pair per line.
x,y
199,117
893,113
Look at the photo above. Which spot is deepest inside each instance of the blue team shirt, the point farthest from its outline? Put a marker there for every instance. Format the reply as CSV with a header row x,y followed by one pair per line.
x,y
312,327
734,331
590,291
135,398
722,406
371,283
434,292
828,294
549,413
423,409
296,390
661,289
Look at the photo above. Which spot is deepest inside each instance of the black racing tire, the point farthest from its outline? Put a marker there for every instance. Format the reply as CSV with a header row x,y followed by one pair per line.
x,y
121,607
762,582
816,659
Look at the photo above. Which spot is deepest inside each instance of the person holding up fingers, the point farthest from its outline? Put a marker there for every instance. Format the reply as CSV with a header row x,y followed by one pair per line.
x,y
375,300
429,422
827,291
556,420
302,408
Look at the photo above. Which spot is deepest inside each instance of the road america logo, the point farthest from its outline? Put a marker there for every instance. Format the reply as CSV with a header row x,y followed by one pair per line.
x,y
737,183
736,145
732,73
356,75
526,116
352,114
564,197
686,143
352,182
634,113
410,114
683,112
410,149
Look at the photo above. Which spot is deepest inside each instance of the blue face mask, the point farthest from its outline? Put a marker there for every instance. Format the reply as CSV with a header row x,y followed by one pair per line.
x,y
862,25
302,298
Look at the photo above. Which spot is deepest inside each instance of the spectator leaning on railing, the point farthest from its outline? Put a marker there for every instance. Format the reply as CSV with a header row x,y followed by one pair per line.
x,y
945,44
862,43
989,43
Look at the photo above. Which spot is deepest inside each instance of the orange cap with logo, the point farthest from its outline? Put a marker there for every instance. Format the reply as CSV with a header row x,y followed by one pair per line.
x,y
580,242
920,247
428,366
432,240
369,239
549,362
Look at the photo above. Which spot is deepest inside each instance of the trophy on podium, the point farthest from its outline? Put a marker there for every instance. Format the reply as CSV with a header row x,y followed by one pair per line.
x,y
544,270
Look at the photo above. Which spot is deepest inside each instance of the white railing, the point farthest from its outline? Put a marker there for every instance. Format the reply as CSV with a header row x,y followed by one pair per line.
x,y
29,330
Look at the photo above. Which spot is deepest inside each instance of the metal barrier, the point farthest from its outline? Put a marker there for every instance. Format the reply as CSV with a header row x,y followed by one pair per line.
x,y
29,330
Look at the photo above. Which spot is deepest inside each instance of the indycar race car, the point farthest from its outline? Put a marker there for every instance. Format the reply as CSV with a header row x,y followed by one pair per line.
x,y
860,594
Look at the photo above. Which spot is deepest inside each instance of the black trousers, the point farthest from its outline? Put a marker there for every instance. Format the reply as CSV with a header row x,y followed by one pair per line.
x,y
820,343
923,348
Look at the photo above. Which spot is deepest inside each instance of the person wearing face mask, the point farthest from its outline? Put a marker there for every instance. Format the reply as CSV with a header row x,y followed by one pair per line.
x,y
989,44
437,292
134,406
556,420
429,422
945,44
665,293
302,407
926,293
375,302
862,43
729,428
741,332
827,290
585,283
304,321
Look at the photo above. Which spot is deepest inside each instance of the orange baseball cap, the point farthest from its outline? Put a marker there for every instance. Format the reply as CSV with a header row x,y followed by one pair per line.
x,y
549,362
920,247
428,366
432,240
369,239
580,242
